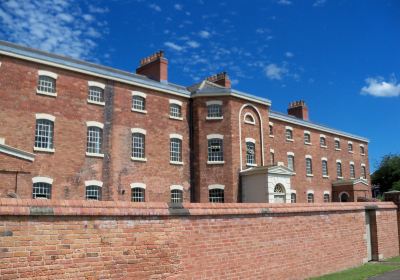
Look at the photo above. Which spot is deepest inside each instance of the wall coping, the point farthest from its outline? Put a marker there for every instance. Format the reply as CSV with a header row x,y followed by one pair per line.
x,y
42,207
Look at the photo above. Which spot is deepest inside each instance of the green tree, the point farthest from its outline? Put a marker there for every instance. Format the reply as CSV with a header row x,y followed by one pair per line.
x,y
387,176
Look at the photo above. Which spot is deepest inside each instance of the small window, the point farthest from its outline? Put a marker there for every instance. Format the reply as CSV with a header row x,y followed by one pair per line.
x,y
46,84
41,190
289,134
176,196
137,194
337,144
272,156
96,94
350,147
175,111
290,161
250,153
214,111
309,166
293,198
271,130
138,103
322,141
307,138
44,134
362,150
326,197
310,198
344,197
216,195
175,150
248,118
324,168
94,140
215,150
363,172
339,170
138,145
352,171
93,193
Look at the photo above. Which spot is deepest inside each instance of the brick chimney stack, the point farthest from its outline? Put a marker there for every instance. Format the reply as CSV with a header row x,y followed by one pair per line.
x,y
154,67
221,79
298,109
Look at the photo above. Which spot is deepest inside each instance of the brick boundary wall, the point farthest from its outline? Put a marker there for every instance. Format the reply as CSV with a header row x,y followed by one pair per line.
x,y
49,239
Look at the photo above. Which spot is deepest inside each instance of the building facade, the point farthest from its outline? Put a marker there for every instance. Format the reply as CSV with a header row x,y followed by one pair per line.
x,y
75,130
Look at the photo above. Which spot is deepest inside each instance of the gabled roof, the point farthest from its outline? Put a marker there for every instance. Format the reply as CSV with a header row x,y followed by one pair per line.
x,y
294,120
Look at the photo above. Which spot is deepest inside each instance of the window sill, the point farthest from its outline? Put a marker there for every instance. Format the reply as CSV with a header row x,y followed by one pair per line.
x,y
336,149
214,118
289,140
52,94
46,150
351,152
139,159
215,162
310,175
340,178
139,111
96,102
307,143
176,162
363,154
325,176
248,122
272,136
176,118
251,164
324,147
94,155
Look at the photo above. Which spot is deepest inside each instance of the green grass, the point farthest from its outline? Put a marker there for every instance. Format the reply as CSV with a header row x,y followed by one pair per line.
x,y
363,272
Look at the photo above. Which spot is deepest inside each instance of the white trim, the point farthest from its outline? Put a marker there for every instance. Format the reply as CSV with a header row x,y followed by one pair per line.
x,y
96,84
93,183
350,142
288,128
340,195
177,136
322,136
336,139
215,136
292,191
271,123
176,118
327,192
96,102
15,152
95,124
214,102
338,160
216,186
52,94
251,140
351,162
214,118
361,145
48,74
94,155
176,187
42,179
240,133
308,156
138,185
176,102
215,162
324,158
307,132
290,153
139,93
139,159
249,122
363,164
176,162
272,151
310,191
231,93
45,117
48,150
138,130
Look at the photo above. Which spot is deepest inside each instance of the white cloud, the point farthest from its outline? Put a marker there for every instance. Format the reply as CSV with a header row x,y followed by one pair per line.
x,y
53,26
178,7
319,3
193,44
173,46
289,54
380,88
284,2
275,72
155,7
204,34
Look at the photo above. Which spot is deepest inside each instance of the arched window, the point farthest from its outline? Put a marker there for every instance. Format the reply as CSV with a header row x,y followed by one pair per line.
x,y
322,141
293,198
339,169
216,193
326,197
138,192
272,156
279,194
47,83
362,150
93,192
337,144
215,148
289,133
307,137
41,187
138,144
363,172
250,153
310,198
290,161
214,109
352,171
350,147
344,197
94,140
175,153
176,194
138,103
44,133
248,118
324,167
309,170
175,109
271,129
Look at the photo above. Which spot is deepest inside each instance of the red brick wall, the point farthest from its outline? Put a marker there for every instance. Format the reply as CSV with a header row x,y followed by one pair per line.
x,y
105,240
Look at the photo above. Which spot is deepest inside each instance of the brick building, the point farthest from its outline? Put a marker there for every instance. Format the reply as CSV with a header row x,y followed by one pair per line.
x,y
76,130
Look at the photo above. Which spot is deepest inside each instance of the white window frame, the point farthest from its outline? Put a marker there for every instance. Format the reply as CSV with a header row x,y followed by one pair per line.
x,y
216,187
96,183
327,169
180,137
45,180
140,131
252,117
214,102
272,160
139,186
140,94
310,192
98,125
312,168
253,141
42,116
99,85
328,193
50,75
365,166
309,134
175,102
291,129
291,154
269,132
362,145
352,147
341,168
324,137
340,145
351,163
176,187
216,136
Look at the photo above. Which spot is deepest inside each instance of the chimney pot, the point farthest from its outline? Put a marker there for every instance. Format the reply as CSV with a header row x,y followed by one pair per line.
x,y
298,109
154,66
221,79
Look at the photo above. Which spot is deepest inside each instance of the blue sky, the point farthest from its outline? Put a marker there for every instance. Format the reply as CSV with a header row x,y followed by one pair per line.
x,y
341,57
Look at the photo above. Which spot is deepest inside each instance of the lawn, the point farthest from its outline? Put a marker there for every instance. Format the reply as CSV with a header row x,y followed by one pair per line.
x,y
365,271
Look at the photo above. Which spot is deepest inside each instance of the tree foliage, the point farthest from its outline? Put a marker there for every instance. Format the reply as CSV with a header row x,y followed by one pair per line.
x,y
387,176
